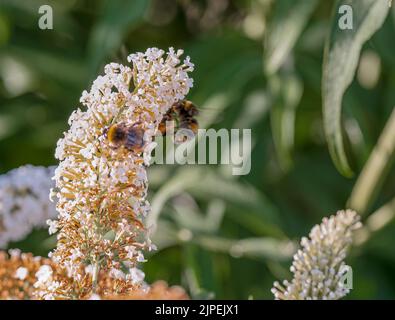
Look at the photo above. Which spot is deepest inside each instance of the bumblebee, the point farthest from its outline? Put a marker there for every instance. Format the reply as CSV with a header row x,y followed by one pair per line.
x,y
183,113
189,123
169,116
129,137
185,109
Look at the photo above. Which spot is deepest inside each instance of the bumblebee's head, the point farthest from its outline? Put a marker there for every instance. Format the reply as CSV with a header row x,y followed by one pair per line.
x,y
116,133
188,105
189,109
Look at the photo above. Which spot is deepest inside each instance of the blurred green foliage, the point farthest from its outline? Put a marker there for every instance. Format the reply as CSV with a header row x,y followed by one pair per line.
x,y
259,66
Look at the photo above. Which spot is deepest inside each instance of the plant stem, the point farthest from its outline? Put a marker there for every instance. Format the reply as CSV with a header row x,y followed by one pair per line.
x,y
371,177
95,275
376,221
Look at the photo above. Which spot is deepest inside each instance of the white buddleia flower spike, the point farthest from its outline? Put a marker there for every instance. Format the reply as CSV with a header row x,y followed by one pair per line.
x,y
102,190
24,203
318,267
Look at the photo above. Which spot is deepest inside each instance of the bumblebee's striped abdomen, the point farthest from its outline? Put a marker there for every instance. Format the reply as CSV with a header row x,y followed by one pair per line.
x,y
191,124
134,139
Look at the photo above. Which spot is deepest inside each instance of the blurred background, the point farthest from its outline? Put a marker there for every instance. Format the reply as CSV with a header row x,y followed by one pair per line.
x,y
220,236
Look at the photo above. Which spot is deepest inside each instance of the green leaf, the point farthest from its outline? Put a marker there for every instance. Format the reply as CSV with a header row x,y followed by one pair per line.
x,y
289,20
375,170
261,248
64,70
342,52
200,272
117,18
258,212
177,184
166,235
188,215
288,90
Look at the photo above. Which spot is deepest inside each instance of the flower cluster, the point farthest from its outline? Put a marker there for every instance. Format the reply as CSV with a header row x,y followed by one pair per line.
x,y
157,291
24,202
23,276
101,190
18,274
318,267
53,282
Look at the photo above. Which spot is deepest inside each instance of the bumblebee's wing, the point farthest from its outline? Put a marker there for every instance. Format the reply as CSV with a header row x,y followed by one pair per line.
x,y
207,114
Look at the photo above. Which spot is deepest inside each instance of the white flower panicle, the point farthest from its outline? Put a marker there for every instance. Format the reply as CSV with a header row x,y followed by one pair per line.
x,y
24,203
101,190
319,266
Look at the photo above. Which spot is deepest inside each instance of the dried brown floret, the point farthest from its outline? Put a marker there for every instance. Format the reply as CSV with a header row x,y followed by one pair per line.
x,y
157,291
